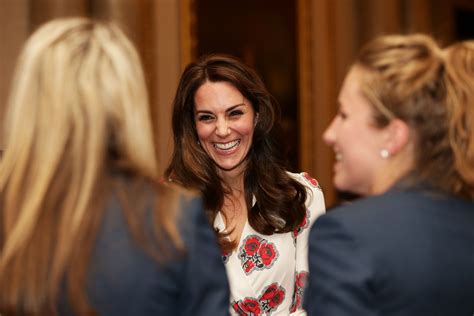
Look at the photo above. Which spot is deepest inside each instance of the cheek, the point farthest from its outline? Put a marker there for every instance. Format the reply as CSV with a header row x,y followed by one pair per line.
x,y
245,128
356,139
359,158
203,131
356,174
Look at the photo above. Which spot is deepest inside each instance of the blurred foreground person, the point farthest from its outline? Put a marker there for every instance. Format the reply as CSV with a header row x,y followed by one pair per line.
x,y
84,228
404,136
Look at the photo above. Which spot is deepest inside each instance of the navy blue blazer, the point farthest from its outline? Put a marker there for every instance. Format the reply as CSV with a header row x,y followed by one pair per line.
x,y
405,253
124,280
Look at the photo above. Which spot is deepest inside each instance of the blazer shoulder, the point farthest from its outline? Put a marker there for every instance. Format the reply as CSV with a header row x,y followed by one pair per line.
x,y
372,209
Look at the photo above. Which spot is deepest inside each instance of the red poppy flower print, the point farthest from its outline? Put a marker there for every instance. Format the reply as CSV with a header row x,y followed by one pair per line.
x,y
300,285
252,244
247,307
238,308
272,297
267,253
251,306
248,266
257,253
295,304
304,224
225,257
313,182
301,279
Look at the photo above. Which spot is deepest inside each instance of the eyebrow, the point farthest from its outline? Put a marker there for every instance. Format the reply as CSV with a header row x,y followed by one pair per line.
x,y
227,110
234,106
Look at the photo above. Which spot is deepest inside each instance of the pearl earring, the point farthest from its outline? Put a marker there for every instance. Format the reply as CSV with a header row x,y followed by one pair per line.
x,y
384,153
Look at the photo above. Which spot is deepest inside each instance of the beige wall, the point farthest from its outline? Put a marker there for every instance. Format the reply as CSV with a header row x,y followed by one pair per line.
x,y
154,27
14,30
330,32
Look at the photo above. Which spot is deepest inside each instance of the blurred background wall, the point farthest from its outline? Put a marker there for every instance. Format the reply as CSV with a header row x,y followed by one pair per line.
x,y
301,48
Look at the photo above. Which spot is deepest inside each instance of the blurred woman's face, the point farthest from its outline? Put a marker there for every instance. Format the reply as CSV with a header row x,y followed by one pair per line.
x,y
355,139
225,122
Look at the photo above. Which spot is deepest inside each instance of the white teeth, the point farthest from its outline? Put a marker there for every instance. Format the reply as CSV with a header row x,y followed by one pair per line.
x,y
227,146
338,157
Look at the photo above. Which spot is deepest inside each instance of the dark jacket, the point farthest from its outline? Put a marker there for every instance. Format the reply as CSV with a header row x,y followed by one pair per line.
x,y
124,280
405,253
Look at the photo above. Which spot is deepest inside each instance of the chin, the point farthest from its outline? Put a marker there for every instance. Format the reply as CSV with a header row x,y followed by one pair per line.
x,y
344,187
226,168
339,184
232,167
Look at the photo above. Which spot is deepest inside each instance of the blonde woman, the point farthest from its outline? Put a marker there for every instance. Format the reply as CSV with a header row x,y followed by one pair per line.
x,y
84,229
404,138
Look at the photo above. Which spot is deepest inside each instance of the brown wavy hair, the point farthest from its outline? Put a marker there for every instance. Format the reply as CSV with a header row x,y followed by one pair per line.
x,y
410,77
280,199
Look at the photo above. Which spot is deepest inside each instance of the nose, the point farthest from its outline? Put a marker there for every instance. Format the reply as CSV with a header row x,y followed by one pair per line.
x,y
329,135
222,128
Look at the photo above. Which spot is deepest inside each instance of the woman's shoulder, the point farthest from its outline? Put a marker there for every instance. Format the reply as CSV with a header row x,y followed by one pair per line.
x,y
306,179
167,202
315,199
385,208
188,202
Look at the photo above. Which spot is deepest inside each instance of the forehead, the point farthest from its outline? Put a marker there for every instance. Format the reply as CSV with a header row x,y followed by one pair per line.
x,y
219,94
351,95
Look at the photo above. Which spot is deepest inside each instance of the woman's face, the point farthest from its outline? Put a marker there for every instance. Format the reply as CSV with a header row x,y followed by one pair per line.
x,y
355,140
225,121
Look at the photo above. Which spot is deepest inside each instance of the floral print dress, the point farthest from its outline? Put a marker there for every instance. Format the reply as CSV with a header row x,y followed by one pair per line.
x,y
267,273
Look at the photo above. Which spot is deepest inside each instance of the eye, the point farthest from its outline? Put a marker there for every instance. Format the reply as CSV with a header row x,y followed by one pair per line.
x,y
342,114
204,117
235,113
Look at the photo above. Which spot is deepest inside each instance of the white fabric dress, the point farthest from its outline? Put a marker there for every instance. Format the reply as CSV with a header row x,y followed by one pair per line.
x,y
267,273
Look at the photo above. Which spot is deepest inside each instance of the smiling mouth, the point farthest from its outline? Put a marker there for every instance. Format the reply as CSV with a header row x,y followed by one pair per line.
x,y
227,146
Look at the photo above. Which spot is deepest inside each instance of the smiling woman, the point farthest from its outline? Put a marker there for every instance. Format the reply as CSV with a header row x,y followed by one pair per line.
x,y
360,145
404,139
223,123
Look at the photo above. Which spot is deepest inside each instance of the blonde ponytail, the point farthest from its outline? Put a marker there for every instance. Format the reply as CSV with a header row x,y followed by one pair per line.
x,y
409,77
460,104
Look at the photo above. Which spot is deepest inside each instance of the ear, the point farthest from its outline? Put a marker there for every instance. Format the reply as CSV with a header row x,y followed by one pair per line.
x,y
255,120
398,136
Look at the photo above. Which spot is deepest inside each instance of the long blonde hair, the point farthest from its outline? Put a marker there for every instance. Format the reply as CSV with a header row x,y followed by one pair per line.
x,y
78,106
410,77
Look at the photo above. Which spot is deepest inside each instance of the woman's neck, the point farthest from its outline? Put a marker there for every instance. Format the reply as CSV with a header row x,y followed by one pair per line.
x,y
234,208
234,180
398,168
